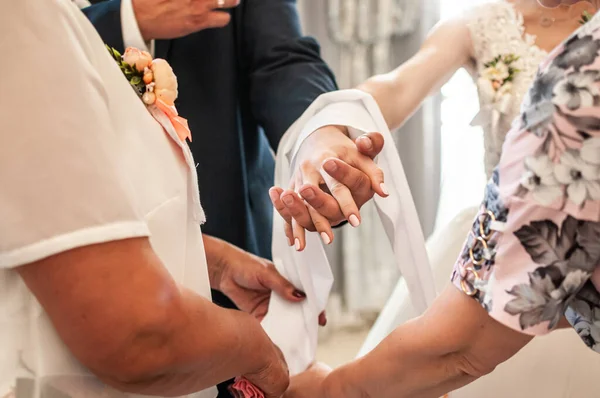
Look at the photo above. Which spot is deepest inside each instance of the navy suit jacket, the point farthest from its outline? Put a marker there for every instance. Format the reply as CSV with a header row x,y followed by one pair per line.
x,y
240,87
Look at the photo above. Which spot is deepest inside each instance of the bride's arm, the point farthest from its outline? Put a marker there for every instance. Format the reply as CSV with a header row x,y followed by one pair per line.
x,y
398,93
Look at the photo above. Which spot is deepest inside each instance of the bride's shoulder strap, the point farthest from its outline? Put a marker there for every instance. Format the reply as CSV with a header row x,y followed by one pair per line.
x,y
490,25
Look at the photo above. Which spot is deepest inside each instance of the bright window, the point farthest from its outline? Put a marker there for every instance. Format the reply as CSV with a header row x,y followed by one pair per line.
x,y
463,176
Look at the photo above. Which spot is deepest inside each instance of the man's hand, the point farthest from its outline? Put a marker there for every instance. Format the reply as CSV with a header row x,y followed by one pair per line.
x,y
170,19
246,279
329,162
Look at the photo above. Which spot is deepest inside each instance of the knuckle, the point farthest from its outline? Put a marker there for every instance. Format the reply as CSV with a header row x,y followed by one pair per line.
x,y
321,225
361,182
342,151
316,202
305,166
348,208
297,212
337,188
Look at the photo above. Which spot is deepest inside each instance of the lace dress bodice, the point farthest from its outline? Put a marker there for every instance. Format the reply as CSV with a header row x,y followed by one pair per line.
x,y
497,30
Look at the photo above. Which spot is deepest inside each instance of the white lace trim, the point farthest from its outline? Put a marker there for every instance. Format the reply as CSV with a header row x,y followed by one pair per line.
x,y
497,29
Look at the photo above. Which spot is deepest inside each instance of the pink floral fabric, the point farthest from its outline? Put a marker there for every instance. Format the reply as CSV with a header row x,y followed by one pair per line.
x,y
533,254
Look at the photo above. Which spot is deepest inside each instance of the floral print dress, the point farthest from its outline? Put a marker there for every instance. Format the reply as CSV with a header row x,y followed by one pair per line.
x,y
533,254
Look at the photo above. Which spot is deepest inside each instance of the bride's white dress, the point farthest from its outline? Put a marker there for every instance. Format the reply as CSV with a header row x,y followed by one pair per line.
x,y
554,366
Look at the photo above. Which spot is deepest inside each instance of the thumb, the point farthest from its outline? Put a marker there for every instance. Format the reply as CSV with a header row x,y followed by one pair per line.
x,y
278,284
370,144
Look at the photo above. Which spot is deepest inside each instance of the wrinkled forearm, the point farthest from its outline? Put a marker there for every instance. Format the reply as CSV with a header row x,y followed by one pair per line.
x,y
215,250
204,345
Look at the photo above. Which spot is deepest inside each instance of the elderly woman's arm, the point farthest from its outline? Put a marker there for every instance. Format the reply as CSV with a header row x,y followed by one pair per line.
x,y
121,314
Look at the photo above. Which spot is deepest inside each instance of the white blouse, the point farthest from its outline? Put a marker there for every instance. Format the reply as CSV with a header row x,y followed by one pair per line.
x,y
81,162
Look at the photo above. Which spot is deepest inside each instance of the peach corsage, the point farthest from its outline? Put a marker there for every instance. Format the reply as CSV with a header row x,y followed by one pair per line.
x,y
155,83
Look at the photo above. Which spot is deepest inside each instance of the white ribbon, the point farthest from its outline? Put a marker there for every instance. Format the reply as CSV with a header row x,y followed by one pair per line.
x,y
490,115
293,327
165,122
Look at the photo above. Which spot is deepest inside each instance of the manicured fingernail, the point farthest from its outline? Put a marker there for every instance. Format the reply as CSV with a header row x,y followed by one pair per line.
x,y
273,195
384,189
290,242
288,200
366,142
297,244
326,238
330,166
354,221
308,193
299,294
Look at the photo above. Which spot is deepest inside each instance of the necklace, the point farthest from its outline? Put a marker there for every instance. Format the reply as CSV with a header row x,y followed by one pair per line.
x,y
547,20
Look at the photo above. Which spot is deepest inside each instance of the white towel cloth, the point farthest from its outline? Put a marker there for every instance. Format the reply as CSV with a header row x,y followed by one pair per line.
x,y
294,327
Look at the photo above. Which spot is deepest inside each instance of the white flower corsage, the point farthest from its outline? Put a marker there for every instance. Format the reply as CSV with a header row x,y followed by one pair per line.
x,y
495,90
500,73
155,83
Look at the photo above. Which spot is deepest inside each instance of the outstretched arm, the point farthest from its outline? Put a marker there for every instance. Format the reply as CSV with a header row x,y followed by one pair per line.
x,y
399,94
416,361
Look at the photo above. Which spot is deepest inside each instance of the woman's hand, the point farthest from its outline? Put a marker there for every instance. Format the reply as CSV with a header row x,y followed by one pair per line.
x,y
335,177
273,378
319,381
309,384
248,280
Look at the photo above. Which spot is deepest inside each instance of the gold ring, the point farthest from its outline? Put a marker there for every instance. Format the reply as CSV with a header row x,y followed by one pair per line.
x,y
492,217
472,255
463,283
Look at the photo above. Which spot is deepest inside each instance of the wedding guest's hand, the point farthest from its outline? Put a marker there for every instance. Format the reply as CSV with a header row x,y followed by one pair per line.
x,y
329,162
170,19
246,279
273,378
308,383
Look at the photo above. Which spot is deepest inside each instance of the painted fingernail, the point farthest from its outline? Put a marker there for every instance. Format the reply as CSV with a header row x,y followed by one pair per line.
x,y
366,142
299,294
330,166
384,189
326,238
354,221
297,244
288,200
308,193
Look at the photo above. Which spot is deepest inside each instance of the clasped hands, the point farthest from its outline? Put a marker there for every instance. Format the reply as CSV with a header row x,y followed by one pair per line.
x,y
335,178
